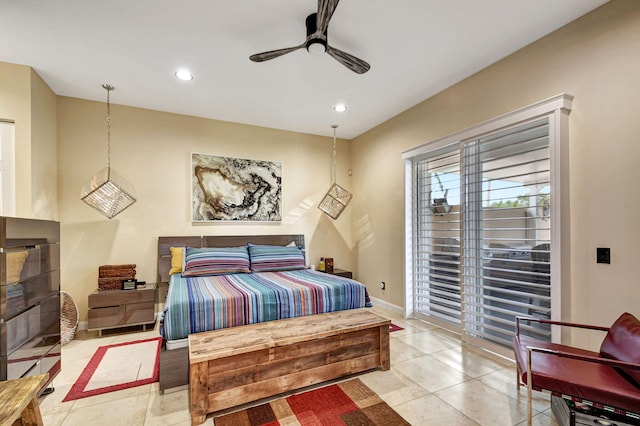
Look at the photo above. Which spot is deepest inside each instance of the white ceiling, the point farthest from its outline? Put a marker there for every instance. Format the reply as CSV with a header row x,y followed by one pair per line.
x,y
416,48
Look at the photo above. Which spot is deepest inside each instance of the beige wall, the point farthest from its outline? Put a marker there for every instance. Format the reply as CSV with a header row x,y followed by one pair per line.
x,y
596,59
44,150
152,150
28,102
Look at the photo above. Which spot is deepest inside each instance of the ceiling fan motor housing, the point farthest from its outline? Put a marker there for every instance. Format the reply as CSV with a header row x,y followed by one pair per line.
x,y
315,45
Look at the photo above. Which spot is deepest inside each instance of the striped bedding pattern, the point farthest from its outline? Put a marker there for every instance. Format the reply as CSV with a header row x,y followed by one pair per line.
x,y
211,261
275,258
196,304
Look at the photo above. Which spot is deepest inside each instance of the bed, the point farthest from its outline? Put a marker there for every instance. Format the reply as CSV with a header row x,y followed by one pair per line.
x,y
228,281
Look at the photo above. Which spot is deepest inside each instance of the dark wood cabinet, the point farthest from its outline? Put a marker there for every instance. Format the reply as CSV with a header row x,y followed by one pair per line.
x,y
29,298
122,308
340,273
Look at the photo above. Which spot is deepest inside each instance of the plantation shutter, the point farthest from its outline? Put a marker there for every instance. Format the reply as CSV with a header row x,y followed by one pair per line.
x,y
506,227
437,237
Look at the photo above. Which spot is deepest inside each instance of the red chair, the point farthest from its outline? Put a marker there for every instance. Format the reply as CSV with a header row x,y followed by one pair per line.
x,y
609,379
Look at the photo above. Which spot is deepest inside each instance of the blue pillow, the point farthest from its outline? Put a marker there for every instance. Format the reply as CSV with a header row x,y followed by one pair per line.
x,y
275,258
215,261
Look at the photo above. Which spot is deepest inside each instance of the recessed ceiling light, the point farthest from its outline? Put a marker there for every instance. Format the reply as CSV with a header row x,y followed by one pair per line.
x,y
340,108
184,75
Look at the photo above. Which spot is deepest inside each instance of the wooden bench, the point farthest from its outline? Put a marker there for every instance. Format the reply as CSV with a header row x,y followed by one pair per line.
x,y
238,365
19,401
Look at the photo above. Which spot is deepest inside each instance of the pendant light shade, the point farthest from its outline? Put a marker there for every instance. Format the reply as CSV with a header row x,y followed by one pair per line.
x,y
337,198
335,201
107,191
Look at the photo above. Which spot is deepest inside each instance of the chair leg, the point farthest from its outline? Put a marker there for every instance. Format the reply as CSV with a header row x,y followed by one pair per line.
x,y
529,389
518,375
529,403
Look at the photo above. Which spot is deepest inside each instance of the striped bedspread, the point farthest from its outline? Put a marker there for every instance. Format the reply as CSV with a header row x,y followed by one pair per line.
x,y
196,304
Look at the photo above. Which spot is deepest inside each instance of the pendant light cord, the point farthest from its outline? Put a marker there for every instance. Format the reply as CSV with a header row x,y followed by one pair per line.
x,y
334,126
108,88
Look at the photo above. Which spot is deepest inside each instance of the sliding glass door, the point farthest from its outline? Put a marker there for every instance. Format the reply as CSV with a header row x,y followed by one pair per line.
x,y
506,231
480,245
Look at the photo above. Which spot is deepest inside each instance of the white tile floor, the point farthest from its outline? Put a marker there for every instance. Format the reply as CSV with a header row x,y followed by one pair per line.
x,y
433,380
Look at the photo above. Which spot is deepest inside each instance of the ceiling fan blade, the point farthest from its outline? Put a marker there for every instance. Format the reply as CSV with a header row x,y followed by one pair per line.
x,y
354,64
265,56
325,12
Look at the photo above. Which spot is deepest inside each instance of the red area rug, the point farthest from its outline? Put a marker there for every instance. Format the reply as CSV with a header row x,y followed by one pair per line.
x,y
348,403
393,327
119,366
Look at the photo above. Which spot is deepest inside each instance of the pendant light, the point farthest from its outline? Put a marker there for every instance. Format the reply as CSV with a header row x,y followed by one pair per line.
x,y
107,191
337,197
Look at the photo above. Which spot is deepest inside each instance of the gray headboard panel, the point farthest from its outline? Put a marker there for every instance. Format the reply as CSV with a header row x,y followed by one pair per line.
x,y
165,243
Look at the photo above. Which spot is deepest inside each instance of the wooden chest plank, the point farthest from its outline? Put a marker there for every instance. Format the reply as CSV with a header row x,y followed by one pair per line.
x,y
250,338
277,385
234,366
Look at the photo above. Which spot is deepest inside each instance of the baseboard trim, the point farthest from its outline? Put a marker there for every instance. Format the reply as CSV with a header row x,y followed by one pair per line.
x,y
387,306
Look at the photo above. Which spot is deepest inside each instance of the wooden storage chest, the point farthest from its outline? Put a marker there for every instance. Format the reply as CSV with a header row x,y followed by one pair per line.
x,y
237,365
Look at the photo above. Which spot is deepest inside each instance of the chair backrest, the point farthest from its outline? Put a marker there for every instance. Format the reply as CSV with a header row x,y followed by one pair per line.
x,y
622,343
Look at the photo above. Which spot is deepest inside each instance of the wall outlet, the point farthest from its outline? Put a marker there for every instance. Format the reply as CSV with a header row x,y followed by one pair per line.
x,y
382,285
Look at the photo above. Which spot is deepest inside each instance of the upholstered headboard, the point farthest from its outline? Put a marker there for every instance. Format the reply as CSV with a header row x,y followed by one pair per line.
x,y
165,243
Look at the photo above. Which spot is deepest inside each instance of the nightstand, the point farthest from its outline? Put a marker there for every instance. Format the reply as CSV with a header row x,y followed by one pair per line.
x,y
340,273
122,308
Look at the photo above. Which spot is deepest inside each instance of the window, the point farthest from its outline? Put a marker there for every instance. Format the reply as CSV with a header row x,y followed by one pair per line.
x,y
483,239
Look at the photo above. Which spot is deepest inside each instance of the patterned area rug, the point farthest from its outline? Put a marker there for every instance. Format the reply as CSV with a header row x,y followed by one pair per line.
x,y
393,327
118,366
348,403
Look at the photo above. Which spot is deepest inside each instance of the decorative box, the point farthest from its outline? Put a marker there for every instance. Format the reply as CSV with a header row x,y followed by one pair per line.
x,y
110,277
328,264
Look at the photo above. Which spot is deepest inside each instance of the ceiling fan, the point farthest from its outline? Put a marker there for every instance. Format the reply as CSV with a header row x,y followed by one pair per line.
x,y
316,42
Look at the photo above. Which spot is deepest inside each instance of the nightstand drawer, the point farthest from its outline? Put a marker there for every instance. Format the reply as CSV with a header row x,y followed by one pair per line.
x,y
106,317
340,273
137,313
100,299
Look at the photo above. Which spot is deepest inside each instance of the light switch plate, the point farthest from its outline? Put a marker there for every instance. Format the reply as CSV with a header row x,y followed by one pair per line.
x,y
603,255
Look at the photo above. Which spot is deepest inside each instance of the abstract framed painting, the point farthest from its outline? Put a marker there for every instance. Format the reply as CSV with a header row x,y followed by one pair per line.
x,y
235,189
